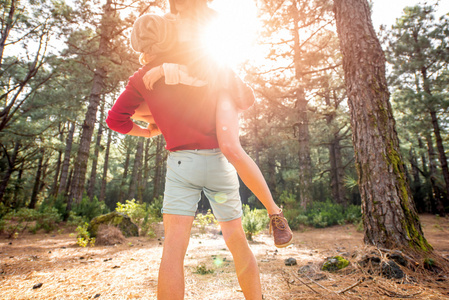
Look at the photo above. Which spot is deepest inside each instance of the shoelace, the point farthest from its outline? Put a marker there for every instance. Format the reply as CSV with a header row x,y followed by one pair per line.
x,y
279,222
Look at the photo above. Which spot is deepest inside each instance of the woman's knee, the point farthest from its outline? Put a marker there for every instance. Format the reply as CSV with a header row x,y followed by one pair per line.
x,y
233,151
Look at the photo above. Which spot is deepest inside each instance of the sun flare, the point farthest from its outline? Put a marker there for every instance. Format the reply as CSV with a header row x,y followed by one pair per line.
x,y
231,38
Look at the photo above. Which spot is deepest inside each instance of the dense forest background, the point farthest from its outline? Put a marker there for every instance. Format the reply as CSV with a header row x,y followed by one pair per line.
x,y
62,66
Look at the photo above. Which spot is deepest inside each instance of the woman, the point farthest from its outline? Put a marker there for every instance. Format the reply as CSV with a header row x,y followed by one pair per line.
x,y
227,110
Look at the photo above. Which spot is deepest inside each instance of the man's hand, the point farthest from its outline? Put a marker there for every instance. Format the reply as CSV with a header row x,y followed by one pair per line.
x,y
152,76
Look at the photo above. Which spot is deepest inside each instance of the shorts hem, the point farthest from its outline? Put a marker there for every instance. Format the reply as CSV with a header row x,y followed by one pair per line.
x,y
178,212
231,219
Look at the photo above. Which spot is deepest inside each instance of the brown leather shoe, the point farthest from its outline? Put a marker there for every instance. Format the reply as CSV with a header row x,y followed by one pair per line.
x,y
282,233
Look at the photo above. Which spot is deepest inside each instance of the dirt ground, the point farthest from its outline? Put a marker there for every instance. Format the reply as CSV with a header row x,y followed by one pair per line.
x,y
129,270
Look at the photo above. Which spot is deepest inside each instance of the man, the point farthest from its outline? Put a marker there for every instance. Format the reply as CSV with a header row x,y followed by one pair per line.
x,y
186,117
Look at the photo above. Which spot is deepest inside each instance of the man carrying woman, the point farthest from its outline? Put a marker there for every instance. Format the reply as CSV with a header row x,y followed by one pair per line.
x,y
188,113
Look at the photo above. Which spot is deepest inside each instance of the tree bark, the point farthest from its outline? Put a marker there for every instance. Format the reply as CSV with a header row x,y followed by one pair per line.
x,y
417,186
389,214
66,163
140,182
136,167
10,169
437,131
125,175
36,186
93,172
302,125
69,183
79,176
146,168
54,187
437,203
158,168
18,187
105,167
338,189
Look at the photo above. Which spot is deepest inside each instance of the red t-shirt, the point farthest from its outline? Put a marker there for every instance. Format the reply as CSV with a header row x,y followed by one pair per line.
x,y
184,114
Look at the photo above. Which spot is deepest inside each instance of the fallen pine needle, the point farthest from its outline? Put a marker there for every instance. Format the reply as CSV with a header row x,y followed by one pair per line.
x,y
352,286
305,283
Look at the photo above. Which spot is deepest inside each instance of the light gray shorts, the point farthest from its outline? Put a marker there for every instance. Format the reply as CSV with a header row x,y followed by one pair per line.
x,y
191,171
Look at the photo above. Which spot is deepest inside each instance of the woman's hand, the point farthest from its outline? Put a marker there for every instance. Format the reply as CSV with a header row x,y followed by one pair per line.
x,y
152,76
154,130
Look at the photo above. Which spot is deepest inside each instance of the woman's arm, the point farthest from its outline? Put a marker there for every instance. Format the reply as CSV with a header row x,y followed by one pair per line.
x,y
174,74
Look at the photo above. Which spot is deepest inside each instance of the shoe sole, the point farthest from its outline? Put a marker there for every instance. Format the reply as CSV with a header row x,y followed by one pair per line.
x,y
285,245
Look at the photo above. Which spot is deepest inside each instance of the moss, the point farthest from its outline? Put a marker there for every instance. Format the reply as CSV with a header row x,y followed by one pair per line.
x,y
334,264
416,239
120,220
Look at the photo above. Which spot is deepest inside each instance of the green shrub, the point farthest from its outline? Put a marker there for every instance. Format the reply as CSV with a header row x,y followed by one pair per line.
x,y
3,210
2,225
254,221
155,208
134,210
58,203
47,220
74,219
203,220
143,215
18,221
353,214
292,215
287,200
83,238
88,209
323,214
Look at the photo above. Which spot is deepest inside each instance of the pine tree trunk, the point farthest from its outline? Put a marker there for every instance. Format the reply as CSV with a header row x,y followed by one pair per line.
x,y
69,183
105,168
140,182
146,168
36,186
44,176
337,172
79,176
125,176
54,187
256,144
136,167
66,163
158,168
389,214
430,199
437,131
93,172
271,182
305,162
18,187
417,186
9,170
338,189
302,125
437,203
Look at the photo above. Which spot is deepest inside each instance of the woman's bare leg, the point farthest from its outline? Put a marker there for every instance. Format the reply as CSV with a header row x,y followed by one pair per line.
x,y
228,139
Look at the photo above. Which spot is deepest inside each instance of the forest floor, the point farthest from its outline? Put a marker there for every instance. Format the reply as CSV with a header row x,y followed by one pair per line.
x,y
129,270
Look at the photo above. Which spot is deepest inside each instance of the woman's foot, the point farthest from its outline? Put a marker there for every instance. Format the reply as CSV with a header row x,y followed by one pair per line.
x,y
282,233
